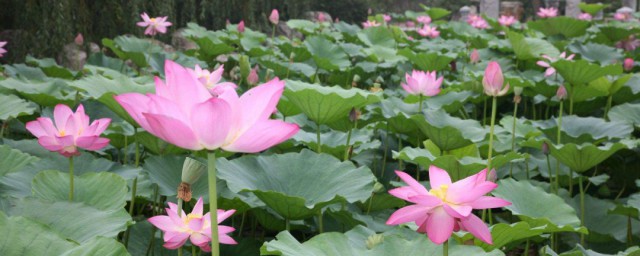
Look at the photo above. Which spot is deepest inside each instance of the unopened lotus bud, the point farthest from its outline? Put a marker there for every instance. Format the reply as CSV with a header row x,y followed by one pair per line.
x,y
561,94
253,77
79,40
545,148
354,115
241,26
374,240
628,64
192,170
517,90
492,176
245,66
292,55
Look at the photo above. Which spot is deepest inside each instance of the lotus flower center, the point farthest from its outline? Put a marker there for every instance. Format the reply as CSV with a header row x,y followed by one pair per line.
x,y
440,192
192,216
153,20
63,133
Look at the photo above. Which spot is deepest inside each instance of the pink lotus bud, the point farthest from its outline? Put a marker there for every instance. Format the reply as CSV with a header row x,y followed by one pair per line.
x,y
79,40
411,24
545,148
628,64
493,80
424,19
492,176
241,26
274,17
585,16
321,17
561,94
386,18
253,78
475,56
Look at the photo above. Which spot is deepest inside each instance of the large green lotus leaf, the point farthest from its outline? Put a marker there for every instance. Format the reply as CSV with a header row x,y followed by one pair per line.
x,y
133,48
334,142
75,221
12,160
583,157
592,8
99,246
504,234
435,13
597,52
12,106
527,48
210,48
598,219
51,68
156,145
362,241
304,26
628,113
431,61
44,93
618,33
383,54
25,72
581,72
166,171
449,132
541,209
380,36
324,104
103,191
103,89
297,185
578,130
22,236
566,26
326,54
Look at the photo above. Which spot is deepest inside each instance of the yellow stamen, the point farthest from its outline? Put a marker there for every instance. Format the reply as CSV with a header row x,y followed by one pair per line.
x,y
63,133
440,192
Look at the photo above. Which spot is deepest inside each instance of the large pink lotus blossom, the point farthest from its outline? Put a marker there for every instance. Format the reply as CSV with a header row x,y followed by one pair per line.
x,y
628,64
410,24
2,50
386,18
183,112
274,18
211,80
630,44
154,25
493,80
506,20
71,131
370,23
550,70
423,19
429,31
621,16
477,21
447,206
321,17
194,226
585,16
547,12
474,56
422,83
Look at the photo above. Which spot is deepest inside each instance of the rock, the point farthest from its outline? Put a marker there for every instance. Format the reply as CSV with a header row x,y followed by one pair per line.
x,y
181,42
490,8
72,56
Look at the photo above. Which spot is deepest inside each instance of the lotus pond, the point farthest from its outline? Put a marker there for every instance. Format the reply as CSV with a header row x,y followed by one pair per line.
x,y
486,137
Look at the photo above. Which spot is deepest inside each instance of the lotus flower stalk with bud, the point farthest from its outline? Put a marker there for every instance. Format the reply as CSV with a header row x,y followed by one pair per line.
x,y
493,82
422,84
447,206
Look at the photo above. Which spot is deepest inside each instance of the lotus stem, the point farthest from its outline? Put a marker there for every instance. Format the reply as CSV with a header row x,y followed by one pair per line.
x,y
513,136
346,150
555,182
194,250
581,208
134,186
320,225
558,142
286,223
386,148
608,107
319,147
526,248
484,112
213,202
493,122
71,179
445,248
629,231
571,103
420,104
273,35
244,215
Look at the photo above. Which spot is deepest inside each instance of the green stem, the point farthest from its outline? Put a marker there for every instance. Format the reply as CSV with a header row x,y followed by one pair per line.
x,y
386,148
346,150
134,187
526,248
493,122
135,134
607,108
513,137
571,104
244,215
273,35
400,162
2,127
559,136
420,104
193,250
287,225
555,182
445,248
484,112
315,76
370,203
581,207
320,225
629,232
319,147
71,179
213,202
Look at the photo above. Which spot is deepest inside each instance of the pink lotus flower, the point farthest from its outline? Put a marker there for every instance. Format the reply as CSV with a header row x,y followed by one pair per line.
x,y
79,40
253,78
561,93
71,131
620,16
475,56
274,18
424,19
194,226
211,80
370,23
628,64
386,18
2,50
429,31
477,21
506,21
630,44
447,206
154,25
550,70
410,24
493,80
321,17
547,12
585,16
241,26
422,83
184,113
